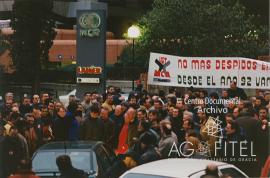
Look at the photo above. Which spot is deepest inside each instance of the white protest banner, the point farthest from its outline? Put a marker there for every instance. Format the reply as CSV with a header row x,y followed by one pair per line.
x,y
208,72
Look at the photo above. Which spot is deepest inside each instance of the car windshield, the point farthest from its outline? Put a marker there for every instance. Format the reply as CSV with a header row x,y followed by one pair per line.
x,y
136,175
46,161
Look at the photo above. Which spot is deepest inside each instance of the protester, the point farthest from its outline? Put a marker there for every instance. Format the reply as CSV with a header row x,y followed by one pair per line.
x,y
109,127
93,127
234,91
168,139
61,125
67,170
87,101
142,129
109,103
133,133
13,151
118,120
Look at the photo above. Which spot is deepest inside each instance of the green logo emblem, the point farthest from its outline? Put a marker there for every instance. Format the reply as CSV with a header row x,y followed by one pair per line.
x,y
91,20
90,23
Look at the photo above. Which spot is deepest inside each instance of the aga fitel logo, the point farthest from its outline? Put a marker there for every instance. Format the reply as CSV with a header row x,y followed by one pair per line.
x,y
161,74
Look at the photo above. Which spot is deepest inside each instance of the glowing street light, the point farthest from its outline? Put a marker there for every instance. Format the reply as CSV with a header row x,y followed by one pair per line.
x,y
133,32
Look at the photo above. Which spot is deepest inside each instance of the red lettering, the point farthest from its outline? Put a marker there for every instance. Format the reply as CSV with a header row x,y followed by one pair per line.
x,y
254,65
89,70
235,64
223,64
249,65
182,63
217,64
243,65
168,74
229,64
157,73
208,64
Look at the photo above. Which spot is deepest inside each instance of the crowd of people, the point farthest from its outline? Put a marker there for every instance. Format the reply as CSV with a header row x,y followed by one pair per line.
x,y
145,127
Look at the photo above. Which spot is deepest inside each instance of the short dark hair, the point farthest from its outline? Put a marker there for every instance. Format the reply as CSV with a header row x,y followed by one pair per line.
x,y
95,108
173,100
108,94
72,107
153,111
263,108
61,107
63,162
259,98
229,115
143,111
234,125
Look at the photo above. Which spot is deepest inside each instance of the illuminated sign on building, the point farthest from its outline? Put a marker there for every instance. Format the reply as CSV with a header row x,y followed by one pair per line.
x,y
89,70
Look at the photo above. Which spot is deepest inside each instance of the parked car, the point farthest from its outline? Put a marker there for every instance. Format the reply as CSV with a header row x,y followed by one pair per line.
x,y
93,157
181,168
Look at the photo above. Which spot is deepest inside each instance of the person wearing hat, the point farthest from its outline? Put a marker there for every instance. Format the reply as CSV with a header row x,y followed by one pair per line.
x,y
150,153
143,151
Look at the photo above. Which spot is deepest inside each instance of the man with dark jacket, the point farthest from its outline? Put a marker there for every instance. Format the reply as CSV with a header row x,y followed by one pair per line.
x,y
26,107
234,91
67,170
109,127
13,151
133,133
251,126
61,125
118,119
177,123
92,128
147,145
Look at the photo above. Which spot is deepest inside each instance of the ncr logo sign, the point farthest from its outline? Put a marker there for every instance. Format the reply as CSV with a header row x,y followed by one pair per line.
x,y
161,74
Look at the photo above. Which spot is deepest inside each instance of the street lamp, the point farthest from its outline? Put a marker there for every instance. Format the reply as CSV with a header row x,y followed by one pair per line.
x,y
133,32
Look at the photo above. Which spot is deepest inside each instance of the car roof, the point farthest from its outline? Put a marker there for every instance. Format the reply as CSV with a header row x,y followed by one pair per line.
x,y
178,167
70,145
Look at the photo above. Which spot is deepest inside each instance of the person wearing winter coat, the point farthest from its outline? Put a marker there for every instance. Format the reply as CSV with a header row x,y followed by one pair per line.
x,y
168,139
61,125
92,128
13,151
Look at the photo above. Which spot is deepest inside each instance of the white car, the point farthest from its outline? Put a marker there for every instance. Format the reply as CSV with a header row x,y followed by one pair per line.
x,y
180,168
